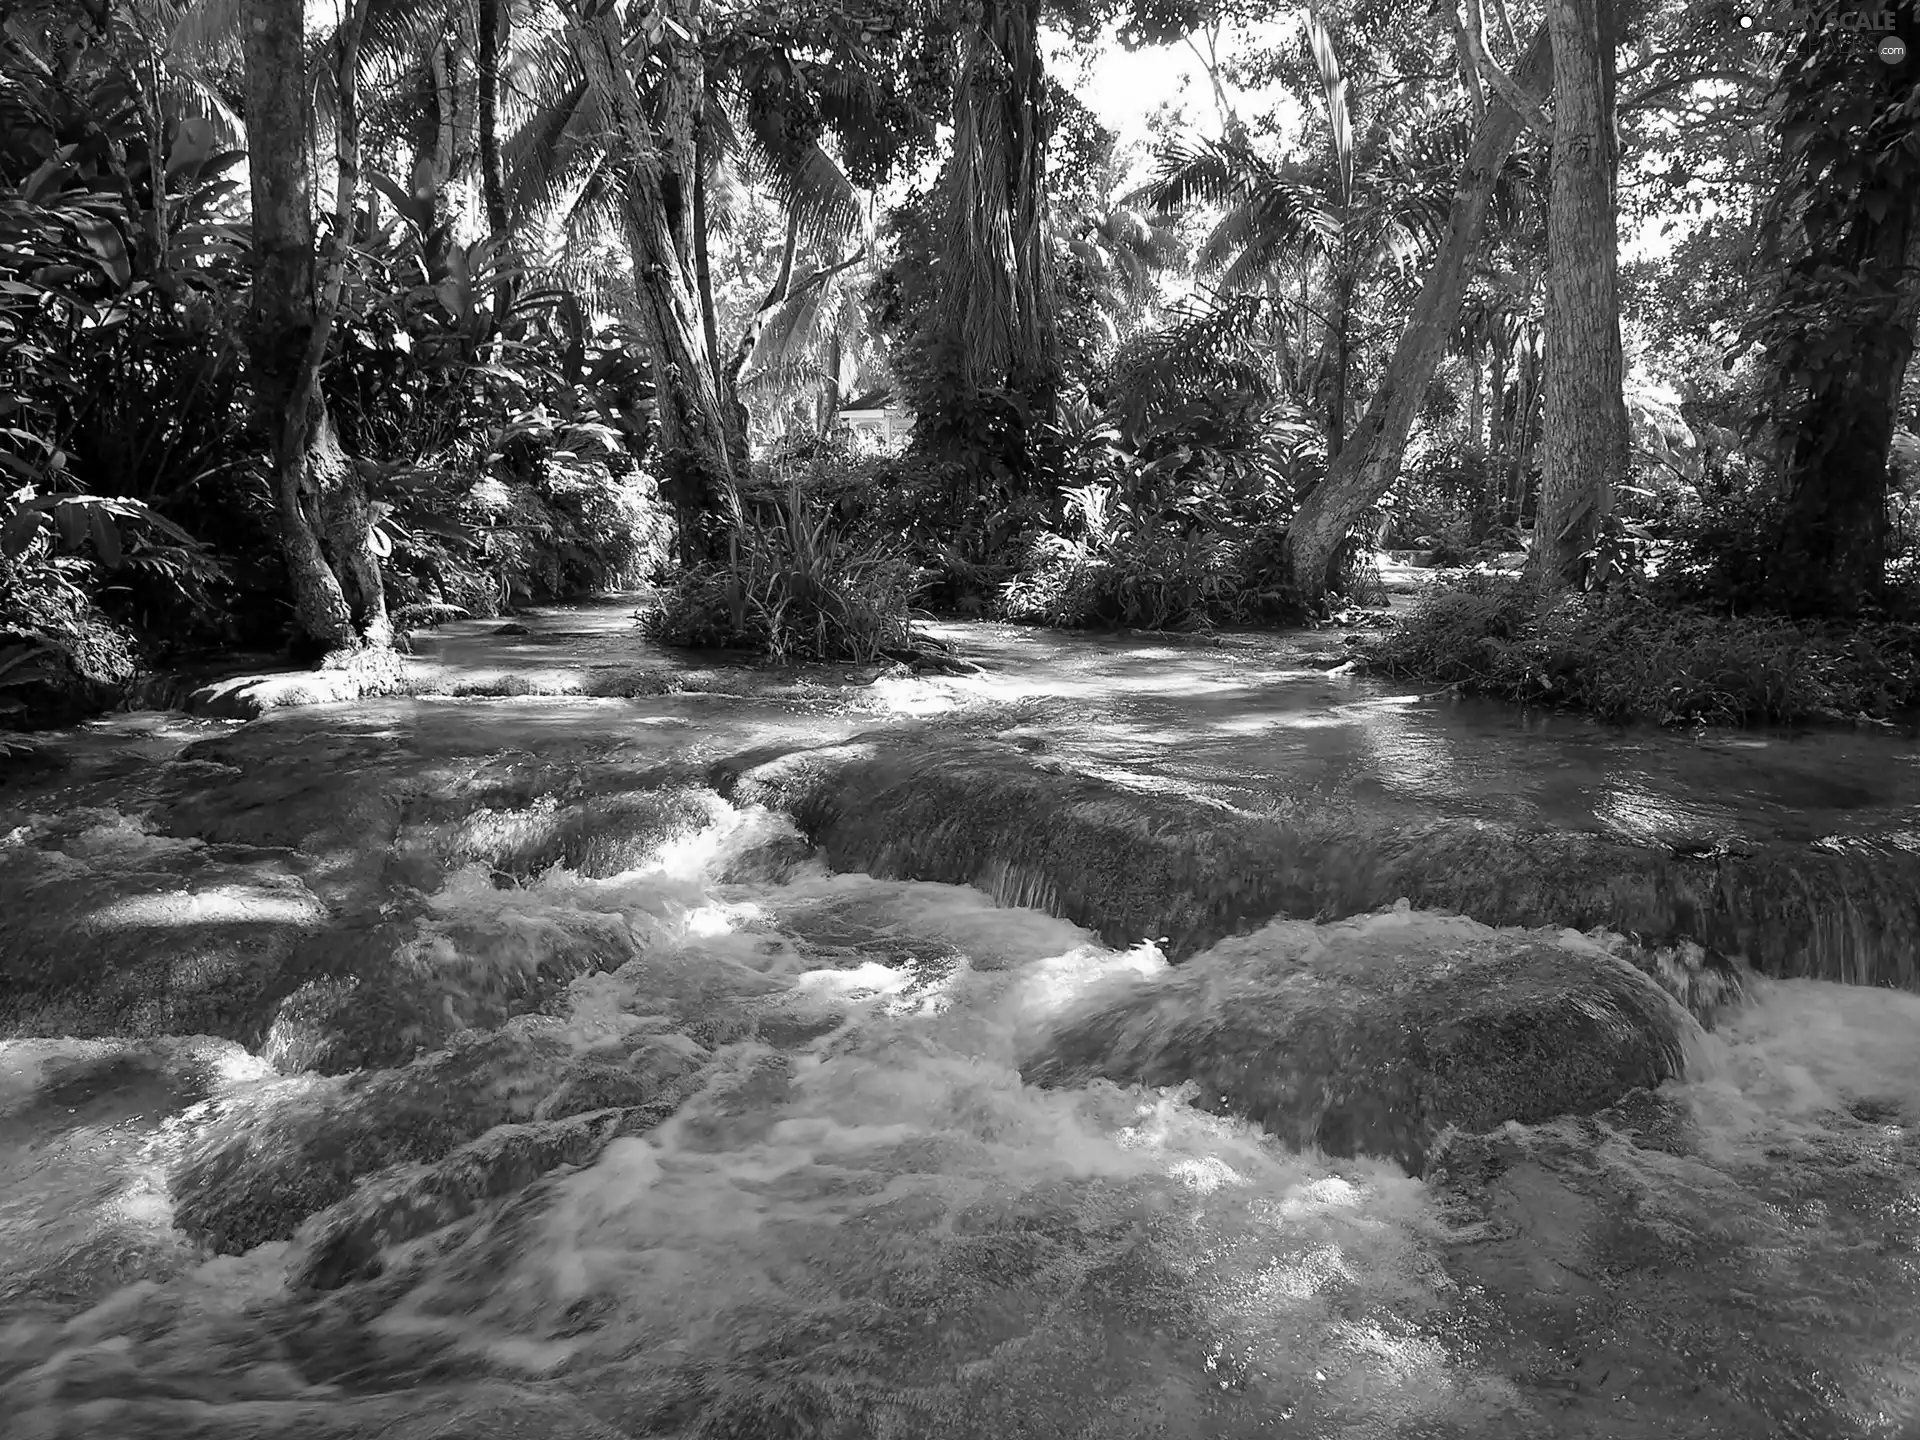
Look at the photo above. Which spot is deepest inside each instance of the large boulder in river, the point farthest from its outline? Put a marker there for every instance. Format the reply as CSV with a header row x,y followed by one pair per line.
x,y
1374,1037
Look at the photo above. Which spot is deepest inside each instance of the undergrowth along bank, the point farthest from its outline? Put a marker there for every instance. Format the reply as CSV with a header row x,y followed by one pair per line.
x,y
1634,656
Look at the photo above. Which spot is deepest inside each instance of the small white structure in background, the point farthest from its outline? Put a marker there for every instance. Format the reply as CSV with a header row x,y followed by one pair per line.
x,y
883,427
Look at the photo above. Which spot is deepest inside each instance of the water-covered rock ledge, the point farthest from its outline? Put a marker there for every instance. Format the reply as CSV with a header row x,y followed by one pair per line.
x,y
1132,863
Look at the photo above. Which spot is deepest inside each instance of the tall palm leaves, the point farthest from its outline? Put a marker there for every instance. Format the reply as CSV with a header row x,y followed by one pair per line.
x,y
1123,253
814,347
1344,215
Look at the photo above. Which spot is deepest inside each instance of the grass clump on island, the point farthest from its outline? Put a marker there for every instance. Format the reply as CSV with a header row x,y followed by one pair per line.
x,y
798,585
1634,655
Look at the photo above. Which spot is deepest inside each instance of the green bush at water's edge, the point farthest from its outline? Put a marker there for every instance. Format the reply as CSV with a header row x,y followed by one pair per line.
x,y
800,583
1635,656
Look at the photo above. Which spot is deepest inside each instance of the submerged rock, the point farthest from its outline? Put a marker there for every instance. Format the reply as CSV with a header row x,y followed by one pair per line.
x,y
376,992
346,1242
1133,864
1375,1037
112,931
1656,1284
284,1151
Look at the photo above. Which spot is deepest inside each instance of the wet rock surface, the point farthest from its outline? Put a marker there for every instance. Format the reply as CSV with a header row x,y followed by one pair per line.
x,y
1371,1038
1655,1288
111,931
1130,862
270,1159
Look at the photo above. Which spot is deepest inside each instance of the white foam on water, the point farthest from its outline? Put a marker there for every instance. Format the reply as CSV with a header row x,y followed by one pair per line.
x,y
996,1256
876,1226
87,1129
1803,1055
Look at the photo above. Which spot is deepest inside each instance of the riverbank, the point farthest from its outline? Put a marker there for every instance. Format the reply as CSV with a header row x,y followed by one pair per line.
x,y
1478,633
1636,658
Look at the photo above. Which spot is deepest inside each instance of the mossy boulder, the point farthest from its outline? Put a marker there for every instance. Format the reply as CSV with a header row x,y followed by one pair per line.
x,y
1374,1037
1133,864
401,795
345,1243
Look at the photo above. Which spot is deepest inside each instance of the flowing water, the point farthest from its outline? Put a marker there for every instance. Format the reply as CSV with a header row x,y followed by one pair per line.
x,y
766,1160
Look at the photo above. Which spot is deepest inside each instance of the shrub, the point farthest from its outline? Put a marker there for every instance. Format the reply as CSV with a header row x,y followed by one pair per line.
x,y
799,583
1627,656
60,658
1121,564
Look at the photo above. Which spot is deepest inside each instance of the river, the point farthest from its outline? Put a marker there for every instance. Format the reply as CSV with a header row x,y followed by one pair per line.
x,y
532,1064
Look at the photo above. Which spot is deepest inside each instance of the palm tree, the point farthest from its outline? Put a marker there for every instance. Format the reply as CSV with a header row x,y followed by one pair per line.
x,y
1364,470
1345,215
1124,252
729,110
815,346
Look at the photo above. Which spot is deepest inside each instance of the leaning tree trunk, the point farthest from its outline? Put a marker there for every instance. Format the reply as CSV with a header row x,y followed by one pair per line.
x,y
656,172
1342,325
1583,432
1831,559
316,489
1370,459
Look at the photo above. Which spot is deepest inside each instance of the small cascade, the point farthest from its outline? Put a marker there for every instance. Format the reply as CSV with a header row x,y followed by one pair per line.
x,y
1131,862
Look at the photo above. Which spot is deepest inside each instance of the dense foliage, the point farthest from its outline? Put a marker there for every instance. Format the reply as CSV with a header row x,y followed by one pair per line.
x,y
588,293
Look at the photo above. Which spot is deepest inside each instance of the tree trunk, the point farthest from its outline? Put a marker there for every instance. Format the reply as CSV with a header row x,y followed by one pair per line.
x,y
1370,461
1831,557
346,514
998,305
1477,403
732,411
434,159
776,297
1494,461
1342,318
287,329
495,22
657,211
1583,437
1526,433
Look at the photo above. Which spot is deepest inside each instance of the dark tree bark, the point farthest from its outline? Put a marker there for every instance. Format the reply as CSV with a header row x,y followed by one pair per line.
x,y
1370,460
1342,318
1845,368
495,24
998,306
434,158
1583,435
321,502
